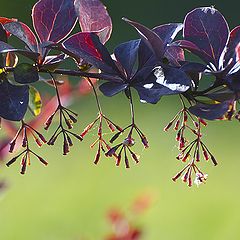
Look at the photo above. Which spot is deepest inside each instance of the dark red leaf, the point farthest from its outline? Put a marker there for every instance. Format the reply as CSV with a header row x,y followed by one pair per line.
x,y
86,45
151,39
53,20
24,33
93,17
192,48
4,20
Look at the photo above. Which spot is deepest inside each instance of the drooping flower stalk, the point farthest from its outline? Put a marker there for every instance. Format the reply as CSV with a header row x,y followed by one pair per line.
x,y
66,117
21,137
125,147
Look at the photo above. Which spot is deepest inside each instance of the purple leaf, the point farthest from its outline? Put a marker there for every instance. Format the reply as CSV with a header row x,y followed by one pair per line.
x,y
53,20
194,71
145,57
110,89
161,81
87,46
233,42
93,17
174,55
14,101
168,32
192,48
233,81
151,39
221,95
208,30
210,111
151,95
24,33
126,54
4,48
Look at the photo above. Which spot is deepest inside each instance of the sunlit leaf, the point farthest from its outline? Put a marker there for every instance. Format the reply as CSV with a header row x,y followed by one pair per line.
x,y
208,30
24,33
11,59
87,46
93,17
53,20
168,32
35,101
160,82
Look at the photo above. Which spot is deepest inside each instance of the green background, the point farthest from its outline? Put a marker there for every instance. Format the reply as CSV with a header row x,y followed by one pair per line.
x,y
70,198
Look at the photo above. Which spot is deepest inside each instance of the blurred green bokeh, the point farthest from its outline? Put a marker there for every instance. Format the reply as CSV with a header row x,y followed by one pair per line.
x,y
70,198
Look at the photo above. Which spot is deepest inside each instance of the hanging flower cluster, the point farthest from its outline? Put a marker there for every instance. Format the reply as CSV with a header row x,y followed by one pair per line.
x,y
154,65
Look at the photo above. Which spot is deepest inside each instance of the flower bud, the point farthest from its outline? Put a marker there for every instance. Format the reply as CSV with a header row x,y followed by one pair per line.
x,y
205,155
97,157
145,141
168,126
65,147
12,145
42,161
177,125
202,121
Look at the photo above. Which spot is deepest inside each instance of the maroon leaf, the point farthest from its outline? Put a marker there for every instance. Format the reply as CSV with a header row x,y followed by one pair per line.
x,y
53,20
87,46
24,33
93,17
4,20
150,38
208,30
191,47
